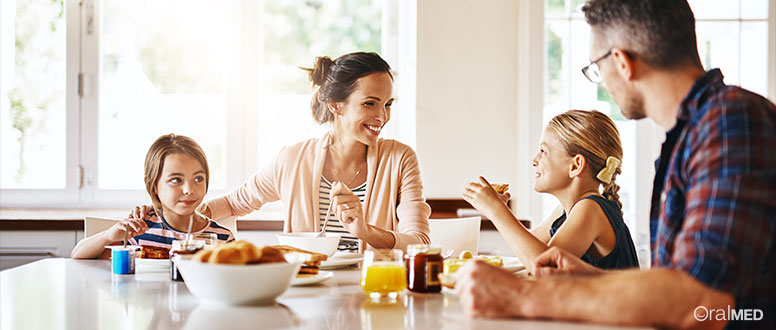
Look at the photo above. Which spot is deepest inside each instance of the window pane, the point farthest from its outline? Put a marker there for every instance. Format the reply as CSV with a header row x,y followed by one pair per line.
x,y
718,47
576,8
754,56
32,94
294,33
164,70
556,71
583,93
714,9
555,8
297,31
752,9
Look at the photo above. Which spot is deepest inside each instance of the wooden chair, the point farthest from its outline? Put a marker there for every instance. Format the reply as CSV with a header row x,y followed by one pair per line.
x,y
94,225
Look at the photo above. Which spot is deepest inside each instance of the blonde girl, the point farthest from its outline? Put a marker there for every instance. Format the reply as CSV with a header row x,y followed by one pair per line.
x,y
578,162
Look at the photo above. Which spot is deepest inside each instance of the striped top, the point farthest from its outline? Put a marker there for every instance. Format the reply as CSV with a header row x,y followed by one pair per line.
x,y
160,233
348,242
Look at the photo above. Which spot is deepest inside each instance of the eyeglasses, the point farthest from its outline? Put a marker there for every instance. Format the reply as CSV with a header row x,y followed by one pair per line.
x,y
591,71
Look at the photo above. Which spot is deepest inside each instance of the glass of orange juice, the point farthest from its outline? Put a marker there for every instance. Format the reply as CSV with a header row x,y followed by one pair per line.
x,y
383,273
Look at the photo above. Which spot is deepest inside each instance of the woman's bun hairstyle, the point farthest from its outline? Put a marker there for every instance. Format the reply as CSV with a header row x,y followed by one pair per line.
x,y
335,80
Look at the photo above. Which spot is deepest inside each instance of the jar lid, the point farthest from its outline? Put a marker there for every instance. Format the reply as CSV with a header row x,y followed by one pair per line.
x,y
424,248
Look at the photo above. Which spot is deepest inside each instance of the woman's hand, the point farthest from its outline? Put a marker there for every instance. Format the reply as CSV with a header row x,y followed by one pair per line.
x,y
134,226
484,198
347,208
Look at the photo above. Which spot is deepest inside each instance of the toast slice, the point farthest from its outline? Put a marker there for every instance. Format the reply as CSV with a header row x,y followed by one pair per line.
x,y
500,187
154,252
311,261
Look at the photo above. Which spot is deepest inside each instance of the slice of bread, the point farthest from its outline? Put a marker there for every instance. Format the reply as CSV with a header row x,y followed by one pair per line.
x,y
311,261
154,252
500,187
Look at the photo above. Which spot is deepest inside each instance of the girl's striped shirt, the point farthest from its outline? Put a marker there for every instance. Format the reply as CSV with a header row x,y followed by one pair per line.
x,y
160,233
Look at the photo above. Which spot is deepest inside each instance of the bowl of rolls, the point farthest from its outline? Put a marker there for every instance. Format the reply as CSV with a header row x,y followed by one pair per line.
x,y
237,273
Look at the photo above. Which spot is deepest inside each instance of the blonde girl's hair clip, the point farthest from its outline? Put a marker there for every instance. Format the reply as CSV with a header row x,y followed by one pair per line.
x,y
605,175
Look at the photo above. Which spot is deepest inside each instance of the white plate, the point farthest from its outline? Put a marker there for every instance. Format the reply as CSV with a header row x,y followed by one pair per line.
x,y
153,263
342,260
320,277
512,264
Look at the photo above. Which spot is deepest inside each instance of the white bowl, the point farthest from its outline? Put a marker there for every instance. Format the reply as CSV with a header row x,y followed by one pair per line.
x,y
311,242
237,284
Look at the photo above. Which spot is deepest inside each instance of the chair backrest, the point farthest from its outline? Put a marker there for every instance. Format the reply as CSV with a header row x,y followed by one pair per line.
x,y
94,225
456,234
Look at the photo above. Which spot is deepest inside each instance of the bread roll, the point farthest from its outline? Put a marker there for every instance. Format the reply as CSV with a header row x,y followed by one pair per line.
x,y
238,253
228,255
203,255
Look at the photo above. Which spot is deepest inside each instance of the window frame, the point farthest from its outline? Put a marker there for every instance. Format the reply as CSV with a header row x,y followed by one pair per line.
x,y
83,19
70,194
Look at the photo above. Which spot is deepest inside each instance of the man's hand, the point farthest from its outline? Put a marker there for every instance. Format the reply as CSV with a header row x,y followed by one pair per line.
x,y
488,291
556,261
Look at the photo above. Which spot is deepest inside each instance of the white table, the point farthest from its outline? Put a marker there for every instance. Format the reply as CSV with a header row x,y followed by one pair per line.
x,y
83,294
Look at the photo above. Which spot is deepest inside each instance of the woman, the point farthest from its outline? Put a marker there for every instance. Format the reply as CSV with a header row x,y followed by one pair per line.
x,y
373,184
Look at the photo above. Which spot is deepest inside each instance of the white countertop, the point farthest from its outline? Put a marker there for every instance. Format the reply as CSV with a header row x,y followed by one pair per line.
x,y
83,294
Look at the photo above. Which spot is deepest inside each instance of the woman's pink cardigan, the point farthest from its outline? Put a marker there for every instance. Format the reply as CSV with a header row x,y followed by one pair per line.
x,y
394,193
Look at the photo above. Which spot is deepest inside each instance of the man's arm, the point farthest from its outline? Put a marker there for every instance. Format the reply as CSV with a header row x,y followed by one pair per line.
x,y
659,297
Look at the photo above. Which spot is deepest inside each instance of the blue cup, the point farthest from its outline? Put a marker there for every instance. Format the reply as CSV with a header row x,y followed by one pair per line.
x,y
123,260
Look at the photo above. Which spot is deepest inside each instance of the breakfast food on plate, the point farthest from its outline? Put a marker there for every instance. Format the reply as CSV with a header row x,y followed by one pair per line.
x,y
154,252
500,187
452,265
311,261
238,253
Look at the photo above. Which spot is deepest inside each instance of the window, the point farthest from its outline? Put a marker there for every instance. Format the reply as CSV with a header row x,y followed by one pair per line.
x,y
87,86
732,35
32,94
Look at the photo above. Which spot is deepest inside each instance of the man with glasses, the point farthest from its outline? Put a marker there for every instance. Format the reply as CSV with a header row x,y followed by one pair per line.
x,y
713,214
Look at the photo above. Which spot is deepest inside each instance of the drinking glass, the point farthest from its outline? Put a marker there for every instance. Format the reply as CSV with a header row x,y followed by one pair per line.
x,y
383,274
209,238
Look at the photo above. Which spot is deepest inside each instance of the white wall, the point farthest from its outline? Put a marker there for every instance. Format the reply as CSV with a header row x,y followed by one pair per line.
x,y
467,85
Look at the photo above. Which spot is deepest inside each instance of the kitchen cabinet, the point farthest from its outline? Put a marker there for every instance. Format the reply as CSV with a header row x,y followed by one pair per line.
x,y
18,247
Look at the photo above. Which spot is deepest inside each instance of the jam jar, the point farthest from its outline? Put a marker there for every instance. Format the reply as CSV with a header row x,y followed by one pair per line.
x,y
182,250
424,264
